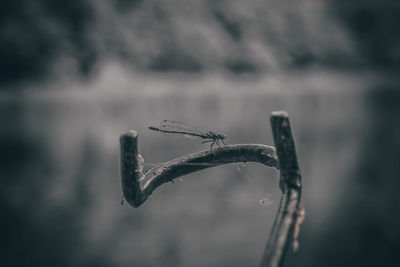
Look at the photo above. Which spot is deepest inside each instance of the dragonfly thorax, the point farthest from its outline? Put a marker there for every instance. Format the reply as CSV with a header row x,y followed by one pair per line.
x,y
221,136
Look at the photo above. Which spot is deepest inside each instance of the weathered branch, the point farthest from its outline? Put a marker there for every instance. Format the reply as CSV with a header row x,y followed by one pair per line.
x,y
290,214
131,168
137,186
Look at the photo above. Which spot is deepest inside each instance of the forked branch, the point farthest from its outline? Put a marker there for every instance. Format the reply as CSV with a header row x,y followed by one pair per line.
x,y
137,187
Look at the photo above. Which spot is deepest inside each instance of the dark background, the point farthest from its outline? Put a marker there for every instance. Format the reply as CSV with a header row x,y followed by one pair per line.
x,y
75,75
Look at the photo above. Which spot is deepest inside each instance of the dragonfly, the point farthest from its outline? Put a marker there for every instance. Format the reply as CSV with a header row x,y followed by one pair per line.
x,y
175,127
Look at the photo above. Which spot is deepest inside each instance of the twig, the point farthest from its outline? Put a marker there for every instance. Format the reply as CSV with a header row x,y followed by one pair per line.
x,y
137,186
283,233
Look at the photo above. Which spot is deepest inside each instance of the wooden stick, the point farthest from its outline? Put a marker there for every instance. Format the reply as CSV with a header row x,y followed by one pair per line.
x,y
131,168
138,187
285,230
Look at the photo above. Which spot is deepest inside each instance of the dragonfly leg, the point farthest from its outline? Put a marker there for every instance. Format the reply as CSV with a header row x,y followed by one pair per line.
x,y
218,144
207,141
223,141
211,147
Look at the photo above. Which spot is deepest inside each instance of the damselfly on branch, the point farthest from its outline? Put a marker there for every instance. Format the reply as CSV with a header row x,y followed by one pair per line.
x,y
175,127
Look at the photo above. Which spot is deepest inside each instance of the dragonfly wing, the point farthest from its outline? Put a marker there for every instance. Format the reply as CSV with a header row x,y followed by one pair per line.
x,y
170,125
